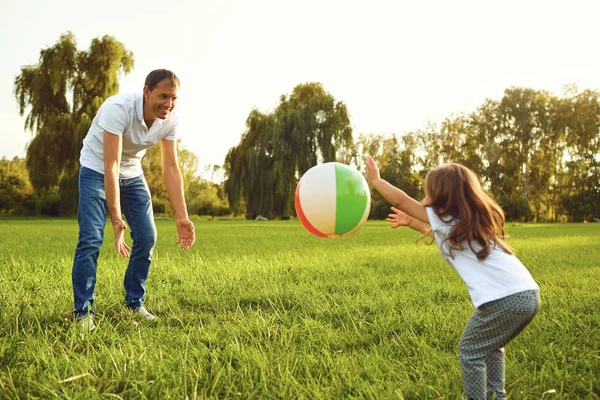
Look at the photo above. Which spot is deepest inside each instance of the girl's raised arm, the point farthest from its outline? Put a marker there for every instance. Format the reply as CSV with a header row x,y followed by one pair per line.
x,y
397,197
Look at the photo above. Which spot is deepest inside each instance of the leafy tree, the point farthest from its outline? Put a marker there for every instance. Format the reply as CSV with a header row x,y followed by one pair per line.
x,y
206,198
521,113
15,188
62,93
152,166
306,128
581,197
546,160
460,143
518,138
427,144
203,196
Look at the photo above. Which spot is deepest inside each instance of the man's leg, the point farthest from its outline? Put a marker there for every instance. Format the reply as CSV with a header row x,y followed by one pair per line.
x,y
136,204
91,217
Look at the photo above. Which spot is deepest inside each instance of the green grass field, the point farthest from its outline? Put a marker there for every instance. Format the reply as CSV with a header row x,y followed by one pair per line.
x,y
265,310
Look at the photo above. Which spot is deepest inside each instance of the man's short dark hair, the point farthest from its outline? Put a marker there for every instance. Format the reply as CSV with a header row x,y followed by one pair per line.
x,y
158,75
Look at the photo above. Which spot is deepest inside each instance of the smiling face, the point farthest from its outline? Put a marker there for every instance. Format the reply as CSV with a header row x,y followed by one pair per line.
x,y
159,101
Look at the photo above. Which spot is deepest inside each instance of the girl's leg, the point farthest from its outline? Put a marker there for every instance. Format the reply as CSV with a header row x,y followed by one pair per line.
x,y
473,367
489,329
494,363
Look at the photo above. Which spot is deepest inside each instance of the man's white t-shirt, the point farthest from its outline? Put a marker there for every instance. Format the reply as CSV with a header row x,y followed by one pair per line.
x,y
499,275
123,115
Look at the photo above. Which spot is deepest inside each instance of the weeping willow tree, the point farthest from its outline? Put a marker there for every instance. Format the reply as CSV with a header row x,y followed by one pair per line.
x,y
61,94
307,128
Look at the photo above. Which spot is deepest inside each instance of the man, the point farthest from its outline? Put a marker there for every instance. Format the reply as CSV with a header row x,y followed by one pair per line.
x,y
111,179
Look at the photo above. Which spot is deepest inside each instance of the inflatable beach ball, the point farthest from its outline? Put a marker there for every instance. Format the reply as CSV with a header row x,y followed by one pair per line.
x,y
332,200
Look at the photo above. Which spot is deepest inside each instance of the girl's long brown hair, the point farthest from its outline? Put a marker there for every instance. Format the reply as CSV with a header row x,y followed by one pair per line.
x,y
455,193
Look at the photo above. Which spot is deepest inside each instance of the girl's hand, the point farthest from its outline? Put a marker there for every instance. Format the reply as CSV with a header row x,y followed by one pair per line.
x,y
398,218
372,169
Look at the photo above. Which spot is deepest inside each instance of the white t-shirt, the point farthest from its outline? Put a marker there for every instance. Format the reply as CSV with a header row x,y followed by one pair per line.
x,y
123,115
499,275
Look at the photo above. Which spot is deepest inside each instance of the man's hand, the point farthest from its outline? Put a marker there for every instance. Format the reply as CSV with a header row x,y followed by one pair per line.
x,y
398,218
185,232
123,248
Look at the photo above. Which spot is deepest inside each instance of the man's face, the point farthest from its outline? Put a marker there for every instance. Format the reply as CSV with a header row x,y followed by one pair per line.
x,y
160,101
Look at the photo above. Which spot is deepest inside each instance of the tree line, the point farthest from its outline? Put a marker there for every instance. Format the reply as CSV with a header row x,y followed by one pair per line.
x,y
538,153
204,195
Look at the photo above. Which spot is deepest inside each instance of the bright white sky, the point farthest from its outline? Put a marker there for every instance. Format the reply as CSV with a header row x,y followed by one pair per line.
x,y
396,64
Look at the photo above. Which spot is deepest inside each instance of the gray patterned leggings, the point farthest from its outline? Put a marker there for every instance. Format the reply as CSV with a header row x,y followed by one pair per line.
x,y
481,346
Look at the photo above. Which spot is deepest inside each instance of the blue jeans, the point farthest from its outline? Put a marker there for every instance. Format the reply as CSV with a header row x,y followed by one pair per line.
x,y
136,204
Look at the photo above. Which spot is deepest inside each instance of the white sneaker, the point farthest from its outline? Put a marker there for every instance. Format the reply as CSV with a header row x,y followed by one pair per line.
x,y
87,323
145,313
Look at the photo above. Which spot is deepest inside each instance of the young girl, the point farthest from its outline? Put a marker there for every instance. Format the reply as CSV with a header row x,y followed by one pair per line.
x,y
468,227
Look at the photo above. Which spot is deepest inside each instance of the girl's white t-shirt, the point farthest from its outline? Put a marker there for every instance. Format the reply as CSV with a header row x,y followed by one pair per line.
x,y
499,275
123,115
